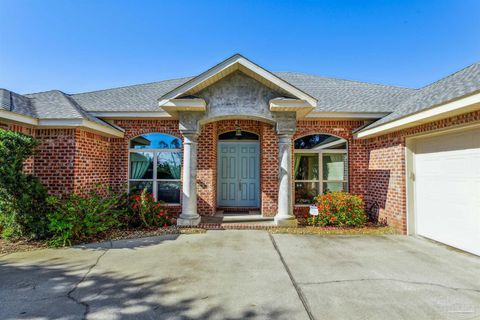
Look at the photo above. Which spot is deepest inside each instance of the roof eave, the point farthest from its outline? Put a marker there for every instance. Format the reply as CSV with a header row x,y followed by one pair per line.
x,y
450,109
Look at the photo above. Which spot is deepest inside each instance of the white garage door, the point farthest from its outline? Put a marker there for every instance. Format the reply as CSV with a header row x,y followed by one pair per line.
x,y
447,188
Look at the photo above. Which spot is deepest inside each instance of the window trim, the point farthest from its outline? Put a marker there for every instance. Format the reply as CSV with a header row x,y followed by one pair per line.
x,y
154,179
320,180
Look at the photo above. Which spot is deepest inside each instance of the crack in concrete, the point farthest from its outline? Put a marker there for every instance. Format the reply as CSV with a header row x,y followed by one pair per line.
x,y
303,299
70,293
390,279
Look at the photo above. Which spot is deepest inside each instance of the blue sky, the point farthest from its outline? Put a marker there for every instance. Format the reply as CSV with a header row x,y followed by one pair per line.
x,y
87,45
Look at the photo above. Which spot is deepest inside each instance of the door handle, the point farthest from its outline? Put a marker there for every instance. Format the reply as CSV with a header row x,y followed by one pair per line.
x,y
240,185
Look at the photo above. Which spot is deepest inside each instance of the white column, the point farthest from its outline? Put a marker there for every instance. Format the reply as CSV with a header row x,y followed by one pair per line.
x,y
285,215
189,215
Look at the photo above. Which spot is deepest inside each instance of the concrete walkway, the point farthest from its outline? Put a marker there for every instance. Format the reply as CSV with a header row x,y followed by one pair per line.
x,y
243,275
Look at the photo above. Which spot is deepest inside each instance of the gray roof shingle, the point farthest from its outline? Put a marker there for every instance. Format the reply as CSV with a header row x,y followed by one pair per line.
x,y
454,86
337,95
333,95
140,97
14,102
55,104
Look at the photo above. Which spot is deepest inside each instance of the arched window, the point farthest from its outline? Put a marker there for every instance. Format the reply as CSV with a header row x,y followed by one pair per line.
x,y
320,166
155,162
238,135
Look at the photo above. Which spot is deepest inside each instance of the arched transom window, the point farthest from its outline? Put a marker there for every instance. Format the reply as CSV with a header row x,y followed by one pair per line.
x,y
155,163
320,166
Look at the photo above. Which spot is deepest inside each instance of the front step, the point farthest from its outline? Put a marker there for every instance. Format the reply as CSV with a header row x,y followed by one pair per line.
x,y
236,221
246,218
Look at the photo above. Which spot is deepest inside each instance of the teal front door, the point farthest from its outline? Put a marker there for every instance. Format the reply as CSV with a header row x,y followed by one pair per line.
x,y
238,182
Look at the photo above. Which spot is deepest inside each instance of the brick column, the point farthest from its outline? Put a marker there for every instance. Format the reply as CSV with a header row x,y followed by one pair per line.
x,y
189,215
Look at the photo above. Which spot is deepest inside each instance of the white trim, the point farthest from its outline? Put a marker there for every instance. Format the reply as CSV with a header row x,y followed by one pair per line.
x,y
196,103
347,115
60,123
233,63
278,103
130,115
173,105
301,107
449,109
81,123
12,116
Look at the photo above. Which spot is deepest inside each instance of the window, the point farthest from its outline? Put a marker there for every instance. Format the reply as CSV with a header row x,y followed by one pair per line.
x,y
320,166
155,162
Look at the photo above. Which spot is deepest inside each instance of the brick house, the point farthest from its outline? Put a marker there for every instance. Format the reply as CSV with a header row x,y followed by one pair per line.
x,y
239,137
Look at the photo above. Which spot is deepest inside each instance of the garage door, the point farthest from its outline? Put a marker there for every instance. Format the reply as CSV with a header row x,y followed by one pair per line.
x,y
447,188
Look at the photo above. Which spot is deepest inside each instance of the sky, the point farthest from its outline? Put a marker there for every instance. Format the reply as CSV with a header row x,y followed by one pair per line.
x,y
87,45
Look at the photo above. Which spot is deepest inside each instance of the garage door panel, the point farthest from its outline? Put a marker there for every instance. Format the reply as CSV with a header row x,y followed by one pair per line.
x,y
447,189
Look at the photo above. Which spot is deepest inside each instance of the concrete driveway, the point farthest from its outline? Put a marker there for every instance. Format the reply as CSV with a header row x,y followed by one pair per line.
x,y
241,275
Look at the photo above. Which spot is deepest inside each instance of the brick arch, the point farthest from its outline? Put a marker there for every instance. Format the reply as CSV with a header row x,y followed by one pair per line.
x,y
311,133
253,126
134,128
178,136
173,134
300,134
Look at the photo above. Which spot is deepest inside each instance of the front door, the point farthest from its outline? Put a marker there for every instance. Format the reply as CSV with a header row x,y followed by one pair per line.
x,y
238,174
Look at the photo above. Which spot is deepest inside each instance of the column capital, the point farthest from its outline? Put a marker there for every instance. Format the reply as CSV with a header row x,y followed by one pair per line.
x,y
285,137
191,136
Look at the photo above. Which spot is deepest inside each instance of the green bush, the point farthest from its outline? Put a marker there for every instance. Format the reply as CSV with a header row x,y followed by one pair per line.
x,y
80,217
22,197
147,212
338,209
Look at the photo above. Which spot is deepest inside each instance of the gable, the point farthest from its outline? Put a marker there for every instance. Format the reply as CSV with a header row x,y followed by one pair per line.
x,y
238,94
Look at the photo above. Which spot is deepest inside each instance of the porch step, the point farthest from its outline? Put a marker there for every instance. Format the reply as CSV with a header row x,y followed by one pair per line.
x,y
246,218
235,226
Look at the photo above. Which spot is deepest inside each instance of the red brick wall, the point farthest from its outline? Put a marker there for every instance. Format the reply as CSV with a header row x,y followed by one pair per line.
x,y
92,161
269,169
386,168
207,170
73,160
54,160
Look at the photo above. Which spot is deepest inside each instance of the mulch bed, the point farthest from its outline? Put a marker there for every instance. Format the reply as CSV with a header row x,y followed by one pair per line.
x,y
7,247
368,230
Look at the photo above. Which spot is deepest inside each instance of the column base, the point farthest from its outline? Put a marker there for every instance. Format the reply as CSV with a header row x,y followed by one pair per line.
x,y
285,221
189,221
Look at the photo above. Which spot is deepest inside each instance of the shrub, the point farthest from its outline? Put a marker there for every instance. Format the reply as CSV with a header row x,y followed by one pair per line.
x,y
148,212
82,217
338,209
23,205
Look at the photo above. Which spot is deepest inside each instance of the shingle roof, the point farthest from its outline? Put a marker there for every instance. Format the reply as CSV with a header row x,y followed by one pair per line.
x,y
14,102
332,94
459,84
337,95
55,104
140,97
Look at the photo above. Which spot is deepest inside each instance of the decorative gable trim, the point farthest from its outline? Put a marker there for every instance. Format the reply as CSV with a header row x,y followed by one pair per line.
x,y
234,63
